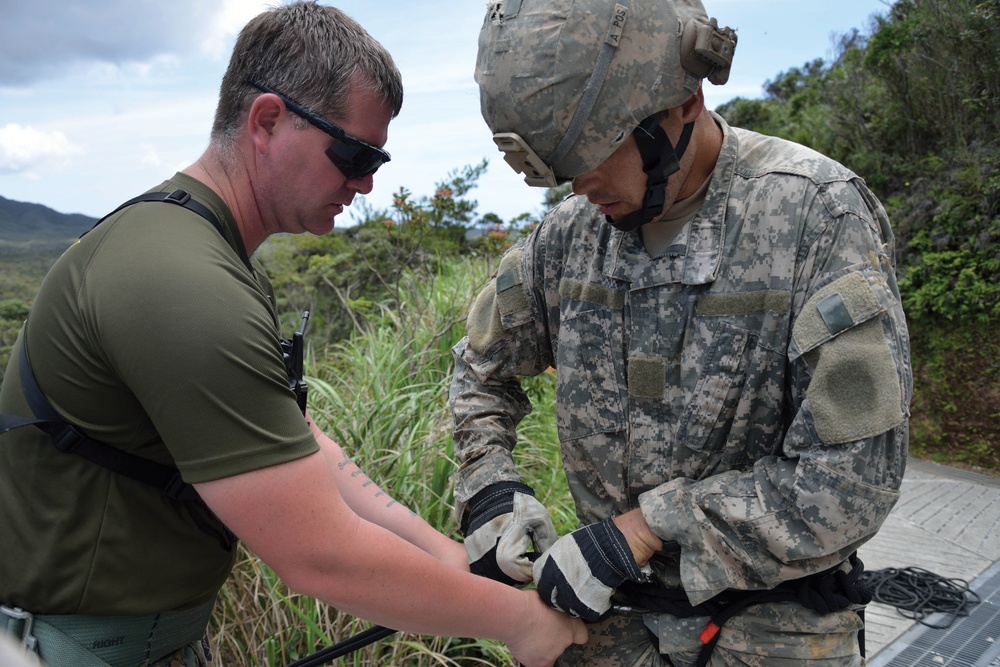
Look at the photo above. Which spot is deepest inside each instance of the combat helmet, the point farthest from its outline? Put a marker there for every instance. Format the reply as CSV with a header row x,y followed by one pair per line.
x,y
564,82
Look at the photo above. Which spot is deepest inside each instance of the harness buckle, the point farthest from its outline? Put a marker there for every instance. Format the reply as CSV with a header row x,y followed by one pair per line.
x,y
28,640
67,440
180,197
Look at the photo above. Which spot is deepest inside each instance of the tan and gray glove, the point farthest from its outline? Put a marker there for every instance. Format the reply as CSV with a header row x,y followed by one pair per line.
x,y
505,530
582,570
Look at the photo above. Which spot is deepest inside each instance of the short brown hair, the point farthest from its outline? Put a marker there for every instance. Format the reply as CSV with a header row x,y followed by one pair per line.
x,y
310,52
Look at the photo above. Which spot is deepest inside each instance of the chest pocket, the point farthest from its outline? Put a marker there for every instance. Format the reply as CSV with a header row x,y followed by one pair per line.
x,y
591,381
712,405
733,414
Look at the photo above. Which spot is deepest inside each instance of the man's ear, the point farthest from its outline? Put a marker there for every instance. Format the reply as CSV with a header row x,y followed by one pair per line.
x,y
693,106
689,109
262,118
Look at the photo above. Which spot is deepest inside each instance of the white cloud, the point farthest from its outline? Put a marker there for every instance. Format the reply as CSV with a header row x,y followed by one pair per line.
x,y
227,23
45,39
23,149
149,156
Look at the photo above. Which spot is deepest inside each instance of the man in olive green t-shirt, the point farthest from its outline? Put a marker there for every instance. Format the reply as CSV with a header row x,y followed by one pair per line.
x,y
156,335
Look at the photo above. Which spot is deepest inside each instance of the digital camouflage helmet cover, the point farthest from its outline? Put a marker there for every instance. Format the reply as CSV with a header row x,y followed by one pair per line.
x,y
564,82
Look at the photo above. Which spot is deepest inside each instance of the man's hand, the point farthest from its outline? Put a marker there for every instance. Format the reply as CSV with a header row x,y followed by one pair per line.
x,y
504,522
544,633
582,570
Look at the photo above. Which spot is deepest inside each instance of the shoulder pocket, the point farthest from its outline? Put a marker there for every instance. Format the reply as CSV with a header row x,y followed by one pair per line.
x,y
846,302
855,391
503,304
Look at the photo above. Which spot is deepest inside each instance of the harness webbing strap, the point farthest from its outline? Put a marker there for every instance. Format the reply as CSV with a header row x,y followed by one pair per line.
x,y
68,439
179,197
824,592
104,641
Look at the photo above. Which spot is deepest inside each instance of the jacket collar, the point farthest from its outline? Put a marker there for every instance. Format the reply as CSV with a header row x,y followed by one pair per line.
x,y
695,256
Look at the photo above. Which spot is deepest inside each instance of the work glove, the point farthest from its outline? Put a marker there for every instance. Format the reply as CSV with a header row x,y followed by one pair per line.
x,y
503,523
582,570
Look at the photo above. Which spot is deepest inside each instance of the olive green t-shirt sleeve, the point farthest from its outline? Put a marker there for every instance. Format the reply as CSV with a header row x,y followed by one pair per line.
x,y
190,331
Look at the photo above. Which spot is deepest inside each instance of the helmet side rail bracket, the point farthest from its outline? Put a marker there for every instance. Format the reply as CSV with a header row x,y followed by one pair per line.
x,y
520,156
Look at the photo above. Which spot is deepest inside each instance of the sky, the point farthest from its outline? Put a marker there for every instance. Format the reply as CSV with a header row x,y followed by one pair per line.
x,y
102,100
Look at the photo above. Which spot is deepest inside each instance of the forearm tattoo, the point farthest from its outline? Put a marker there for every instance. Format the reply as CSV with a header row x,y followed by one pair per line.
x,y
356,473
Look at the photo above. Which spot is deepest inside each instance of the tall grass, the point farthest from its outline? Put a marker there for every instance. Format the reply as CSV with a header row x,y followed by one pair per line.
x,y
382,395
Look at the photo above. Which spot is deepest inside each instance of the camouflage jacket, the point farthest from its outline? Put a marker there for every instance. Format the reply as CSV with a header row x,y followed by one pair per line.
x,y
748,388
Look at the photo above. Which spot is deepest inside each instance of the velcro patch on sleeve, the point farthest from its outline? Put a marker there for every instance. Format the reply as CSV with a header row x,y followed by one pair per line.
x,y
854,392
484,324
844,303
504,295
510,293
833,311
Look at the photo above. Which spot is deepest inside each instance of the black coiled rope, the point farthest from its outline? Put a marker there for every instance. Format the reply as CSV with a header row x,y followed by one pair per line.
x,y
917,593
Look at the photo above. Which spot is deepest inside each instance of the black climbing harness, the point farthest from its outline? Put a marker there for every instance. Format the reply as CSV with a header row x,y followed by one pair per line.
x,y
68,439
824,592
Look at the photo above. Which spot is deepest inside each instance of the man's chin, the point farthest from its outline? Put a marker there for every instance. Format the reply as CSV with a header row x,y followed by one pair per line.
x,y
618,210
321,228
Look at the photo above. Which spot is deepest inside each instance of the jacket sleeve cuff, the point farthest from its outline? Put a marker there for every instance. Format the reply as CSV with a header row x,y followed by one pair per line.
x,y
494,464
706,560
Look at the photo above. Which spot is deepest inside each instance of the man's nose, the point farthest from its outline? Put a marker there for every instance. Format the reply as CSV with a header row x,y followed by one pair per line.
x,y
583,183
362,184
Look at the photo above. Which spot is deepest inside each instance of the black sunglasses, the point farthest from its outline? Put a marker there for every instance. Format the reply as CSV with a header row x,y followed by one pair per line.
x,y
352,156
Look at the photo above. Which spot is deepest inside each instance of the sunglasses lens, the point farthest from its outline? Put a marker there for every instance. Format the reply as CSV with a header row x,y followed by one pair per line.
x,y
355,161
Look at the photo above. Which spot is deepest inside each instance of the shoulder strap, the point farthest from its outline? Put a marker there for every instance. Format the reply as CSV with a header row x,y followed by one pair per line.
x,y
179,197
67,438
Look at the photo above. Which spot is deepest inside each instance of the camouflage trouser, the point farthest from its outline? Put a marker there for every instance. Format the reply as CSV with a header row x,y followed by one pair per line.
x,y
765,635
195,654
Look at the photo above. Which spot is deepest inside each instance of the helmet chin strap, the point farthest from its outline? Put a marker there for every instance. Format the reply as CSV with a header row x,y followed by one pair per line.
x,y
659,161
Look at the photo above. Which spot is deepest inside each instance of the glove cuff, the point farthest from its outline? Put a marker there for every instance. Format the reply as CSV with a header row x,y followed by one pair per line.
x,y
607,544
490,502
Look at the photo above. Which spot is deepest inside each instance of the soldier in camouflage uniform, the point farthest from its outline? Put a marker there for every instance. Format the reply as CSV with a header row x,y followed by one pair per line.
x,y
732,359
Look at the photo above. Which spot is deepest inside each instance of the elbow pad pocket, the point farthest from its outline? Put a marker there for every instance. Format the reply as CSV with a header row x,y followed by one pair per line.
x,y
501,305
855,389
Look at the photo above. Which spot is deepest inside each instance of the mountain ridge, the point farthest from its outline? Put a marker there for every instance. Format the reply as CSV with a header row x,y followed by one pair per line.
x,y
24,221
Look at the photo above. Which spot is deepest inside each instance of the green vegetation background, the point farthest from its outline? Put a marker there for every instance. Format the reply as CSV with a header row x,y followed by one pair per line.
x,y
911,103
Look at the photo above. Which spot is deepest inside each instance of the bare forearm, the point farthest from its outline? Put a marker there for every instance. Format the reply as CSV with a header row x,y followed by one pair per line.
x,y
388,581
358,490
294,518
371,503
